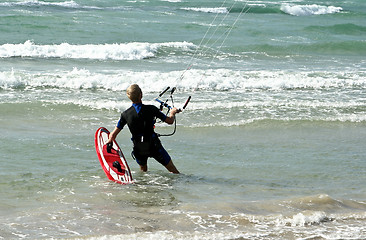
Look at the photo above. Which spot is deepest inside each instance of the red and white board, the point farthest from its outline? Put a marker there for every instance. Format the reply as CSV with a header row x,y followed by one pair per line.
x,y
106,159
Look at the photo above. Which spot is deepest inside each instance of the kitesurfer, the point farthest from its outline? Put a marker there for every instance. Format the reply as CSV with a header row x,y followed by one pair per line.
x,y
140,119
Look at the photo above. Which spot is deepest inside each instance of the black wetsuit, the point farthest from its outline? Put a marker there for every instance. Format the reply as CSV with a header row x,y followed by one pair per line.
x,y
140,120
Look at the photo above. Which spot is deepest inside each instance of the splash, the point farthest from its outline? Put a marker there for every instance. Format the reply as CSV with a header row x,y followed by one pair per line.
x,y
207,10
116,51
308,10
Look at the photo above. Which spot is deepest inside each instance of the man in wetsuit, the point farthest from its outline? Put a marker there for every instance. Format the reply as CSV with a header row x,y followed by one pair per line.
x,y
140,120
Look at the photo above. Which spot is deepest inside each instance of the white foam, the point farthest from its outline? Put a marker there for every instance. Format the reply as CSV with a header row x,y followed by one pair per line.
x,y
263,95
207,10
306,224
117,51
225,79
307,10
68,4
173,1
99,104
304,218
155,81
174,235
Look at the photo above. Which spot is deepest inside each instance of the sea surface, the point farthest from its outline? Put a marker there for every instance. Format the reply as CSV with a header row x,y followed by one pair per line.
x,y
271,146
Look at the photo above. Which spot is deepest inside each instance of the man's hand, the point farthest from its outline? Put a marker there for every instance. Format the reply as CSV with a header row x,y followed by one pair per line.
x,y
113,135
175,111
171,118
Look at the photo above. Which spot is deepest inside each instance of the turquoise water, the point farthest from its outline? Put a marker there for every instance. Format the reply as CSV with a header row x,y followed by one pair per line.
x,y
271,146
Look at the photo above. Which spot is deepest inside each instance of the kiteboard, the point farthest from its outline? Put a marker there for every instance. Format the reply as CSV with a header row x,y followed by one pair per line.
x,y
111,158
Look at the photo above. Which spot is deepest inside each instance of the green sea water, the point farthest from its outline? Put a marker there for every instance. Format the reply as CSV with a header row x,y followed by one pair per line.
x,y
271,146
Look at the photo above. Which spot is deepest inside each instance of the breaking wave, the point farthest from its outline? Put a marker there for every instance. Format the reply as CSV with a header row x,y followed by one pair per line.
x,y
117,51
267,226
291,9
36,3
209,80
308,10
207,10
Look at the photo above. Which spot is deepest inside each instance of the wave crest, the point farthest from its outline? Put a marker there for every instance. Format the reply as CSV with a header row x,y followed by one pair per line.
x,y
207,10
116,51
200,80
308,10
29,3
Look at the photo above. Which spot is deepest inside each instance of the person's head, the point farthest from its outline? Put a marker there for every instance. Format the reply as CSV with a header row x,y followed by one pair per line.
x,y
134,93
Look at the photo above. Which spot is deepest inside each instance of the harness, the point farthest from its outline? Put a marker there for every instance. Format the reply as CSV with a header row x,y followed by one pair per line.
x,y
145,139
141,126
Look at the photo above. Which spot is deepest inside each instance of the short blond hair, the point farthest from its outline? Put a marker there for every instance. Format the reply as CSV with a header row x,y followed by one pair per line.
x,y
134,92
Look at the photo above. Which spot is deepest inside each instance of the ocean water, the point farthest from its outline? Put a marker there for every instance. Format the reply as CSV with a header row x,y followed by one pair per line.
x,y
271,146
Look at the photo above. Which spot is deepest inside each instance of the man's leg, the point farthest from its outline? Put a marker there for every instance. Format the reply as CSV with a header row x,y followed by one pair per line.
x,y
141,161
171,167
143,168
162,156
